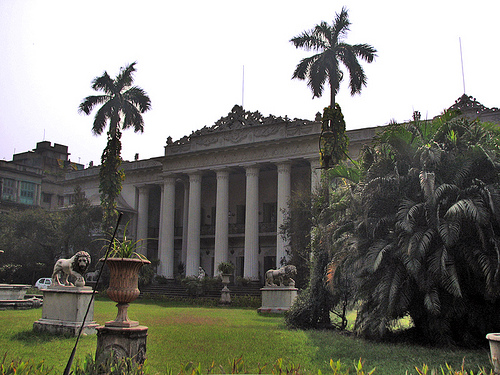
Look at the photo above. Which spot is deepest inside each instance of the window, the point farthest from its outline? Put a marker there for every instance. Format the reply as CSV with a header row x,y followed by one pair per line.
x,y
60,200
240,214
270,210
9,189
27,192
46,198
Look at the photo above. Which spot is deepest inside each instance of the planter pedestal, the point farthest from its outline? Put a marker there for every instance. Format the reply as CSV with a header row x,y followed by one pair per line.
x,y
225,295
494,339
122,337
63,310
277,299
122,342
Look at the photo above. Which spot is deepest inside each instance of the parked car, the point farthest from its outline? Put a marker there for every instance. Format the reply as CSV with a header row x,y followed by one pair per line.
x,y
43,283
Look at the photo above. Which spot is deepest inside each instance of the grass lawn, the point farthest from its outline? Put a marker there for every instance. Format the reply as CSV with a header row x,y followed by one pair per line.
x,y
178,335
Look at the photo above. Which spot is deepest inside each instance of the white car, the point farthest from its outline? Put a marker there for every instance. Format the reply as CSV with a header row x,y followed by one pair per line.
x,y
43,283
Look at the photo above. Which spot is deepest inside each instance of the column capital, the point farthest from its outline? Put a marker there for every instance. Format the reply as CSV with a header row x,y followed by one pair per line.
x,y
252,170
284,166
315,163
169,180
195,177
142,187
222,173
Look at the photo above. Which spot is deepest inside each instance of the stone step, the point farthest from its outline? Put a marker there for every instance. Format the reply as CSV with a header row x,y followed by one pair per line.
x,y
176,289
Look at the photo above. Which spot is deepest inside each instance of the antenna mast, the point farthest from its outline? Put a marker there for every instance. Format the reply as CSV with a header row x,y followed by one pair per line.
x,y
462,62
243,89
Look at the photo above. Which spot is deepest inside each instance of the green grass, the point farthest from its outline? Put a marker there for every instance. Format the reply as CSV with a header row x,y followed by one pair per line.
x,y
178,335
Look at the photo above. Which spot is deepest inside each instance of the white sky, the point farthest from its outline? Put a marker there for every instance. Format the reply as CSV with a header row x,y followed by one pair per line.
x,y
190,57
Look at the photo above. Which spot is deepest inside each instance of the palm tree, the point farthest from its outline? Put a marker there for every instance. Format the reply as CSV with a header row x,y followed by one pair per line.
x,y
332,50
122,106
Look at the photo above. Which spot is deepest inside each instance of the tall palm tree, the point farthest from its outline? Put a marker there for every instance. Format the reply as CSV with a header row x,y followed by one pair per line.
x,y
122,106
332,50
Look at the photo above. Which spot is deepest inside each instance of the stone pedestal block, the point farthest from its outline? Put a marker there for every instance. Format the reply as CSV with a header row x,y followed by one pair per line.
x,y
12,291
128,342
64,309
278,299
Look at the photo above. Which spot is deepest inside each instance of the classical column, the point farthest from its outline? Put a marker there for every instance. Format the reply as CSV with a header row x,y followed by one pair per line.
x,y
194,225
251,265
221,218
142,218
166,245
185,212
315,175
284,170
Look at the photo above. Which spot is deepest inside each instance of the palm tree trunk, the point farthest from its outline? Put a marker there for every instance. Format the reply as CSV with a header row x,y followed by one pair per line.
x,y
332,96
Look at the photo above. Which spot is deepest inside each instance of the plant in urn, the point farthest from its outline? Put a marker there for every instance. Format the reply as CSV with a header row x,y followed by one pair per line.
x,y
124,265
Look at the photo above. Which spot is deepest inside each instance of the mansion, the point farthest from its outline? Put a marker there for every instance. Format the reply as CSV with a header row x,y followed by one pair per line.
x,y
220,194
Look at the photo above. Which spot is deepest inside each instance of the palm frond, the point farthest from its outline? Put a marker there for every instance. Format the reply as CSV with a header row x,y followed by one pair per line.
x,y
101,118
471,210
376,253
138,98
365,51
104,83
132,117
125,78
432,302
89,103
351,173
449,232
341,24
450,280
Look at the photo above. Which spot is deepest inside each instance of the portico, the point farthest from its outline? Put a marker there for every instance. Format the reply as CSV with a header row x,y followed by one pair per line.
x,y
225,191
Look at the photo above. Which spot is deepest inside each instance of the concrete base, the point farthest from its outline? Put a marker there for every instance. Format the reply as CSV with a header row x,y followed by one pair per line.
x,y
64,309
277,300
122,342
21,304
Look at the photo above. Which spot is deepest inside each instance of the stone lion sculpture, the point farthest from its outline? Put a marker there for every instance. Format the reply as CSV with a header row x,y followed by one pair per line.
x,y
75,266
281,277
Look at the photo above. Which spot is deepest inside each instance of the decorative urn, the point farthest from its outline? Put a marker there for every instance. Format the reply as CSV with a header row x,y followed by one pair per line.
x,y
124,287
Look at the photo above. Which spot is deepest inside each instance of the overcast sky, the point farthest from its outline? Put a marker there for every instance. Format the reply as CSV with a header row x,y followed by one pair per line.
x,y
190,57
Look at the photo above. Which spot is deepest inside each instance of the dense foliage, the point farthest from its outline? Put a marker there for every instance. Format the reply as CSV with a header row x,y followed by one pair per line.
x,y
428,238
33,239
413,231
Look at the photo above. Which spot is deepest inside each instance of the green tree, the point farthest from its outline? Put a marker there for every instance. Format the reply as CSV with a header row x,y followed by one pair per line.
x,y
33,239
122,106
428,239
296,230
328,41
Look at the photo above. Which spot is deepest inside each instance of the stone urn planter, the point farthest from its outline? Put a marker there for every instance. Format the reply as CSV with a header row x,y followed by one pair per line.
x,y
124,287
494,339
226,269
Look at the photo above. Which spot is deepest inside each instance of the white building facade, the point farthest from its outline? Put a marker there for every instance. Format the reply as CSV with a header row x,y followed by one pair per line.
x,y
221,193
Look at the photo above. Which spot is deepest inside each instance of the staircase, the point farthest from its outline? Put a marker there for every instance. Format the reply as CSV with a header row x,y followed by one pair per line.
x,y
176,289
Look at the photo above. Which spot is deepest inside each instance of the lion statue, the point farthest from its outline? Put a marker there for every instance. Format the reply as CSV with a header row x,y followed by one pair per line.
x,y
75,266
281,277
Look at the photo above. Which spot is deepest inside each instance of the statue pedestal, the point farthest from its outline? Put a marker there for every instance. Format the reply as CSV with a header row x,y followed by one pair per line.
x,y
63,310
277,299
123,342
